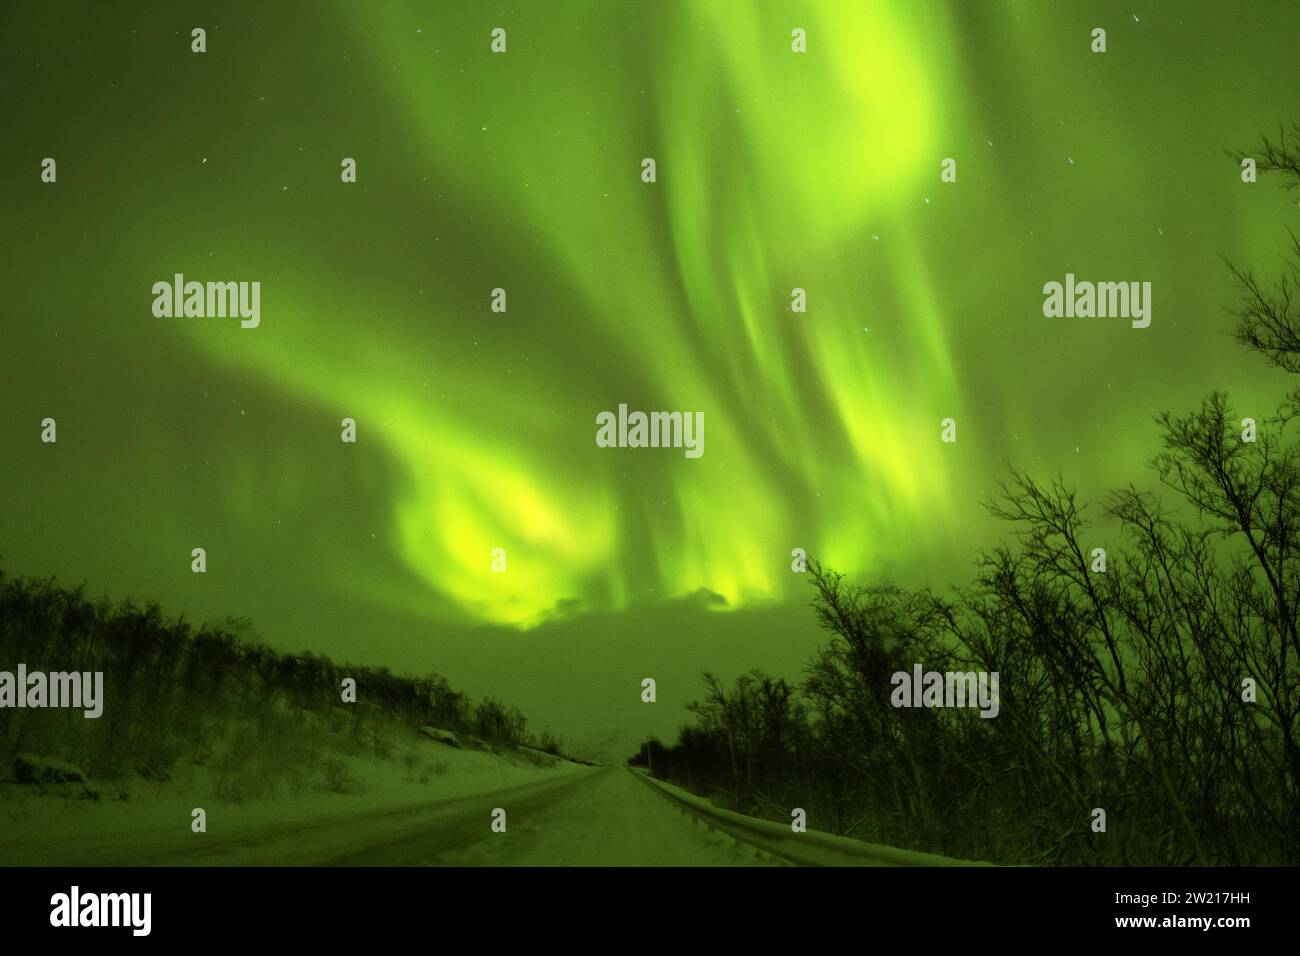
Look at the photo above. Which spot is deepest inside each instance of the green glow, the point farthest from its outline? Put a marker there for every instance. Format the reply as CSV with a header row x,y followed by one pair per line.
x,y
762,176
476,431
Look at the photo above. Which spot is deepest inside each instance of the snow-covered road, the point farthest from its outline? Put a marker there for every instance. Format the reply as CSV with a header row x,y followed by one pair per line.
x,y
595,817
609,819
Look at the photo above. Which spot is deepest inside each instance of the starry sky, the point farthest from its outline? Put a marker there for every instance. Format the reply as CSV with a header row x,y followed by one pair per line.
x,y
522,171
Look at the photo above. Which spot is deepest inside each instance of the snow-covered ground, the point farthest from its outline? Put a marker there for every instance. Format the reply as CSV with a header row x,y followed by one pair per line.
x,y
568,814
143,822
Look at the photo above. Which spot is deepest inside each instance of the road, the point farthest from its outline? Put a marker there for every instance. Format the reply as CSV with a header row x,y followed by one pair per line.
x,y
598,817
606,819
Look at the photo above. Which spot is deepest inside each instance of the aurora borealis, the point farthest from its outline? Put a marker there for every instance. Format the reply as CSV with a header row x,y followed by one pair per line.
x,y
521,171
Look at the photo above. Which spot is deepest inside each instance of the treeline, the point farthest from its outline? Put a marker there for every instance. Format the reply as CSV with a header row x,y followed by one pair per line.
x,y
1163,690
172,689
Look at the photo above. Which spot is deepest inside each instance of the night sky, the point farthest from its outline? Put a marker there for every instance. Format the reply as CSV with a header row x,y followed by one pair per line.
x,y
522,170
